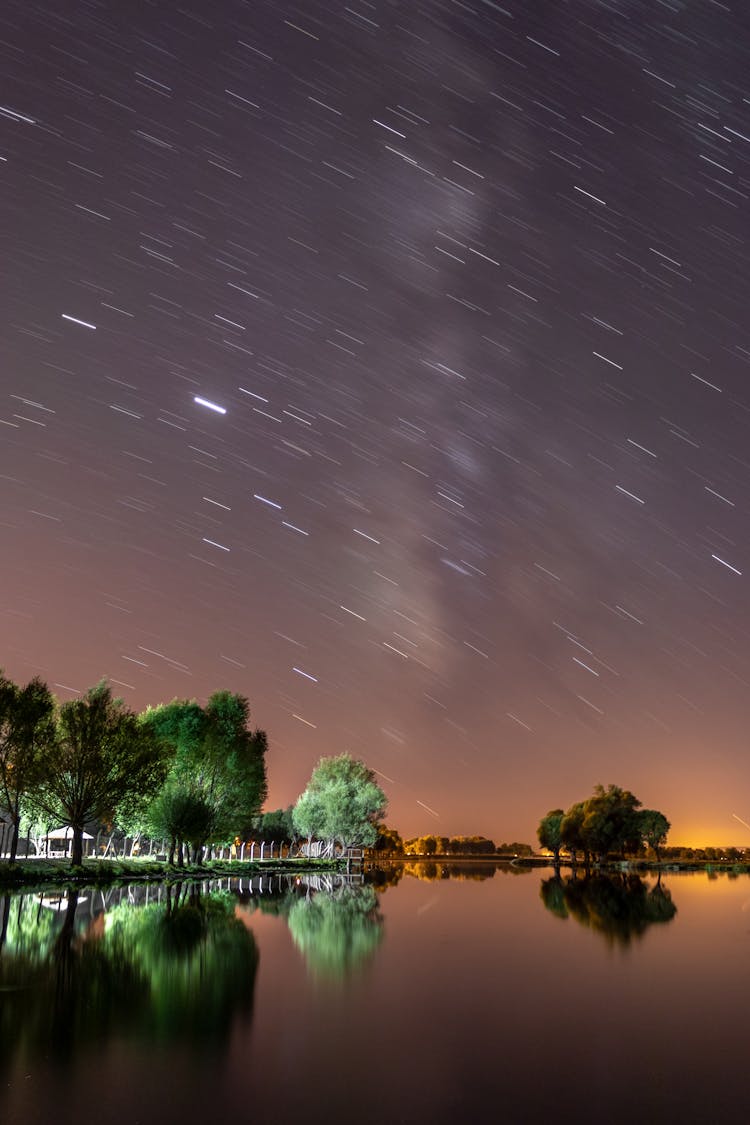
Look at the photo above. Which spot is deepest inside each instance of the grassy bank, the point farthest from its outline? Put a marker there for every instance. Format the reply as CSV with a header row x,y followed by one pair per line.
x,y
42,873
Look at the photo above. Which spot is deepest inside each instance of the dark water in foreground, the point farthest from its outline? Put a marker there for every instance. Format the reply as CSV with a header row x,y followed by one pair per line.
x,y
512,997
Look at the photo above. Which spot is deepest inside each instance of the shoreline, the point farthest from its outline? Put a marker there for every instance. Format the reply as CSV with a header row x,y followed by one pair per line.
x,y
38,874
615,866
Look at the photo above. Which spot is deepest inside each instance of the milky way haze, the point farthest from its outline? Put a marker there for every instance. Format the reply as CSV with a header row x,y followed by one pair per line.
x,y
468,283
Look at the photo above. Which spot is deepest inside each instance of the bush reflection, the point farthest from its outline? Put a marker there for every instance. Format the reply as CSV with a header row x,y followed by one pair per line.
x,y
335,925
619,907
386,874
176,970
173,964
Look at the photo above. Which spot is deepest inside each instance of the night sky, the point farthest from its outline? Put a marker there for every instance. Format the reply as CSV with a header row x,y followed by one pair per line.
x,y
469,283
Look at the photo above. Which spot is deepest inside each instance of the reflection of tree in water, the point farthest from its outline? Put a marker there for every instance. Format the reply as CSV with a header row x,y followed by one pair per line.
x,y
198,958
553,896
63,989
180,971
337,932
385,875
432,871
619,907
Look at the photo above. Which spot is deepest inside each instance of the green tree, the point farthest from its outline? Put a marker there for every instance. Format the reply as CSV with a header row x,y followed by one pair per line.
x,y
274,825
183,816
308,816
102,756
27,732
610,821
572,835
653,828
342,802
549,832
218,766
389,840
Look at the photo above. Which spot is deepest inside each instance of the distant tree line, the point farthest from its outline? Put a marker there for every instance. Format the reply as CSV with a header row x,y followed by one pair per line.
x,y
705,855
389,842
450,845
609,823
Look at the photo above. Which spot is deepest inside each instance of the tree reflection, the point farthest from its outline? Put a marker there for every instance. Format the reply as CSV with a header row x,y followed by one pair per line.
x,y
182,970
619,907
60,988
432,871
337,932
199,961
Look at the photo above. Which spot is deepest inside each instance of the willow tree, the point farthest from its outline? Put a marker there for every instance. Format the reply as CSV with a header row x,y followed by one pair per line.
x,y
218,771
342,802
549,832
653,828
102,757
27,733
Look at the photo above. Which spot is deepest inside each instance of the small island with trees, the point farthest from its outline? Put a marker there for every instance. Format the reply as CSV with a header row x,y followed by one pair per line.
x,y
611,822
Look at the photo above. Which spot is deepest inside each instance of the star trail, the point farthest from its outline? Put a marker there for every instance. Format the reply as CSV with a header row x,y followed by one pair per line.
x,y
389,364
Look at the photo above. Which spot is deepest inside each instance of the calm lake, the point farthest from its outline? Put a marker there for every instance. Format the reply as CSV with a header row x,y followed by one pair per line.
x,y
449,994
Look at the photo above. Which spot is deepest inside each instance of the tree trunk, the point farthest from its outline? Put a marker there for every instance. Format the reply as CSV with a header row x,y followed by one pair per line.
x,y
76,859
15,826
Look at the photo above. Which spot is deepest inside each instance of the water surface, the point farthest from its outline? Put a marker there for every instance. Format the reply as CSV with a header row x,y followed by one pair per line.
x,y
424,998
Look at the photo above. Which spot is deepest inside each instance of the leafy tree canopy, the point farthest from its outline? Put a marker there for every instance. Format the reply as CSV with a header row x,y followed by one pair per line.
x,y
217,779
101,757
653,828
610,821
342,802
549,831
27,732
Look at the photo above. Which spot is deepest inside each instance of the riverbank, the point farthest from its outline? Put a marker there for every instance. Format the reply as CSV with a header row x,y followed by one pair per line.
x,y
38,874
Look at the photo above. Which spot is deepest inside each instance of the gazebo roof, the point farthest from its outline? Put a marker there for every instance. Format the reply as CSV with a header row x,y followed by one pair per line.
x,y
65,833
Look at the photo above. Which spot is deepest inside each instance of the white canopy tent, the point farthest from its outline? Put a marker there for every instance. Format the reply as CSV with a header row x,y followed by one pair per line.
x,y
64,834
61,839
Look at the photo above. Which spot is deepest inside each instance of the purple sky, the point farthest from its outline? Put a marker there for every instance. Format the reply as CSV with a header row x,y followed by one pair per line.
x,y
469,283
